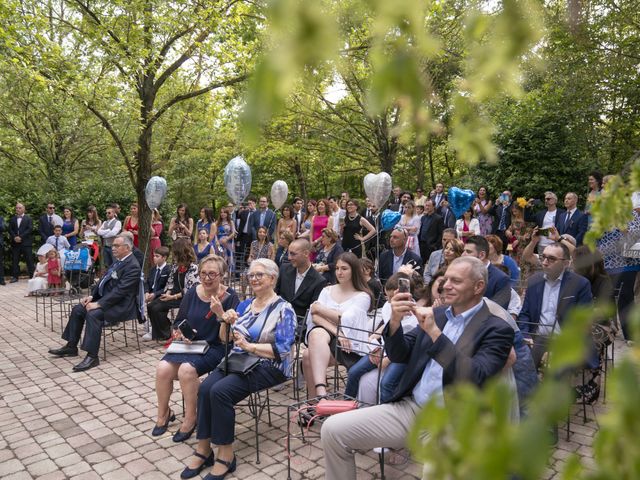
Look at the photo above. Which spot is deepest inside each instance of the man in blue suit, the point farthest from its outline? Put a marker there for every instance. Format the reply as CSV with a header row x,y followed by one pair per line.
x,y
460,343
114,299
498,284
551,295
264,216
396,256
573,222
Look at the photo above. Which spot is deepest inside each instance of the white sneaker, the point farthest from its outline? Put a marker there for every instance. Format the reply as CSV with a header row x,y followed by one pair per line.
x,y
147,337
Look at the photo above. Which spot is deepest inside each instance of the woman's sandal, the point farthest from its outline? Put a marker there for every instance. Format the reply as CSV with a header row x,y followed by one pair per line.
x,y
231,467
192,472
160,429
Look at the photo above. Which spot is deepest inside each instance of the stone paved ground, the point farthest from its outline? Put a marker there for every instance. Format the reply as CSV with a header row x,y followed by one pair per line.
x,y
55,424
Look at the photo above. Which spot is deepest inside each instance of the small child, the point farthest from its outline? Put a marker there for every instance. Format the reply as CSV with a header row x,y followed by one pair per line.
x,y
54,277
39,280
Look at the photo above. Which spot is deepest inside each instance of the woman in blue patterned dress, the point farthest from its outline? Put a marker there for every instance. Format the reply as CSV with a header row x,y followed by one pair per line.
x,y
226,234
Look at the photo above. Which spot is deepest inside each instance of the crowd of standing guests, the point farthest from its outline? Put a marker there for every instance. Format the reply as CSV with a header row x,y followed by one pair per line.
x,y
317,272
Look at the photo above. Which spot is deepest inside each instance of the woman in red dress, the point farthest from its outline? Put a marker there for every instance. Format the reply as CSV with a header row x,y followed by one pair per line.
x,y
131,223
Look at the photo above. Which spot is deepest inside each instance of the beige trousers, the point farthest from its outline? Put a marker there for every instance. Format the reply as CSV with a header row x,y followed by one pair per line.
x,y
384,425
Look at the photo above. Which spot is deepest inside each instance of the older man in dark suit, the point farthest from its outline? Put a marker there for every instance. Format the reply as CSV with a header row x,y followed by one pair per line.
x,y
460,343
551,295
21,235
114,299
572,221
299,283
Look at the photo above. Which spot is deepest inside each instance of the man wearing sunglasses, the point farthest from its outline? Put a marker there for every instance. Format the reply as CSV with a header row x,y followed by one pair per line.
x,y
551,295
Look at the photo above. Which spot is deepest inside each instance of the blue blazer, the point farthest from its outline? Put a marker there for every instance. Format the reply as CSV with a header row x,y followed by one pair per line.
x,y
270,221
385,266
577,227
498,286
120,294
480,353
574,290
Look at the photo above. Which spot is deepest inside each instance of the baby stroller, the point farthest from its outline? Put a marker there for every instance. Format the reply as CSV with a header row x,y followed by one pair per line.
x,y
79,266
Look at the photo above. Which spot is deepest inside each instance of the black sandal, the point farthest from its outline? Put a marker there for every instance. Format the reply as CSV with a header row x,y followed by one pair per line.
x,y
231,467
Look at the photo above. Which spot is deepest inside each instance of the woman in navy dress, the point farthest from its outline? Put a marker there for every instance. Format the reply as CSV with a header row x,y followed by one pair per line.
x,y
202,305
70,226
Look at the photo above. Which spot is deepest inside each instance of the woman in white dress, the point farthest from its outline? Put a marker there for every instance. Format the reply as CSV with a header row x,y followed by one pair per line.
x,y
343,305
410,223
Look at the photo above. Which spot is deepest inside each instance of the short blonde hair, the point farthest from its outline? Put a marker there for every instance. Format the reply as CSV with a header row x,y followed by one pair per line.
x,y
219,261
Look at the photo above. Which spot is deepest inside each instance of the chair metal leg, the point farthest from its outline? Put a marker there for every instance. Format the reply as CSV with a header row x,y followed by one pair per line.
x,y
104,343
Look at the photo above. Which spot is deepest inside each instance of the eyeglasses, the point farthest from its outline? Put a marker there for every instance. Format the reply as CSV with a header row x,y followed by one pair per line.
x,y
550,258
256,276
548,199
51,208
209,275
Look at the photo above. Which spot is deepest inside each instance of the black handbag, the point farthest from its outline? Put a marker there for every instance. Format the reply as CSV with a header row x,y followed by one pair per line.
x,y
241,363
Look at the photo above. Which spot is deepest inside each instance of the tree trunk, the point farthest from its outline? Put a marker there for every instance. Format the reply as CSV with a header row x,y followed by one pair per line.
x,y
433,176
302,183
419,164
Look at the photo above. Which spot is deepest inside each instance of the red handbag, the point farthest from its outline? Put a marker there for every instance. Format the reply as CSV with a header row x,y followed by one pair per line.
x,y
331,407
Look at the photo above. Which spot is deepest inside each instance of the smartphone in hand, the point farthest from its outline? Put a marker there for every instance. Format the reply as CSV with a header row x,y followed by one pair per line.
x,y
186,330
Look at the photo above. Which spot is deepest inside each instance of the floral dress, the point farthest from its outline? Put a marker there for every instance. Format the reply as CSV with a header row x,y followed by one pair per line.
x,y
484,219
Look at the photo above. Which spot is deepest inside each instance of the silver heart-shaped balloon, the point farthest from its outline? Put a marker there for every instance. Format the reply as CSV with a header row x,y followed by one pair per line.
x,y
155,191
237,179
378,188
279,193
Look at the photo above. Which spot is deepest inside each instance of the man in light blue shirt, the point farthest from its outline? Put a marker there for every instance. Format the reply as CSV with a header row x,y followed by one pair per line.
x,y
461,342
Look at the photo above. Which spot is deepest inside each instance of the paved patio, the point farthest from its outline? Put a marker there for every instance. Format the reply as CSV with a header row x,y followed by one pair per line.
x,y
55,424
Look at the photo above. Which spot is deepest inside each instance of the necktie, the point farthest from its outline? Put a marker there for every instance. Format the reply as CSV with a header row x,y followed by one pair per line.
x,y
567,221
107,277
50,220
57,243
155,280
503,219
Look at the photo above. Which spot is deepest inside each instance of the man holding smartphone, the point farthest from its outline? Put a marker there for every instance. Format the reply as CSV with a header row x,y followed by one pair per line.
x,y
460,343
545,219
113,299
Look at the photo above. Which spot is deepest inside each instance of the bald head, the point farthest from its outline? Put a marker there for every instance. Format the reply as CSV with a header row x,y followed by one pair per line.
x,y
299,254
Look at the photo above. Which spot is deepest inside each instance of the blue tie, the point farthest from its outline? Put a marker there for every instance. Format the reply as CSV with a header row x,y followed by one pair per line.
x,y
106,277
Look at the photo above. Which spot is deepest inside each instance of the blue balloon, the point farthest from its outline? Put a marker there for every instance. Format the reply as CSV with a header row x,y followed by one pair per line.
x,y
389,218
460,200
